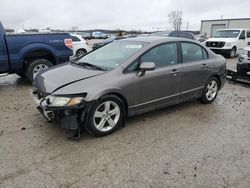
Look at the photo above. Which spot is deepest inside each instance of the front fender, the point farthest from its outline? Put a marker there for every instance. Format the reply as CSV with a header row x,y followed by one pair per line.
x,y
98,94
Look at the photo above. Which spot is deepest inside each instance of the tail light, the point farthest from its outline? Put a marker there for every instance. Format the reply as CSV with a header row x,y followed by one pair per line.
x,y
68,43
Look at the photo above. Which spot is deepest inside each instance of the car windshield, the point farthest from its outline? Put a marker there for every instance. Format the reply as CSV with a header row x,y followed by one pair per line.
x,y
227,34
111,55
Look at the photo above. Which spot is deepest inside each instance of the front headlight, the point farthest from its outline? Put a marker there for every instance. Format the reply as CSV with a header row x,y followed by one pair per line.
x,y
228,44
58,101
244,52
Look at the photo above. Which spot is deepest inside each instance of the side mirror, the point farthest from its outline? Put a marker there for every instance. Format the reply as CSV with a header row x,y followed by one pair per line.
x,y
146,66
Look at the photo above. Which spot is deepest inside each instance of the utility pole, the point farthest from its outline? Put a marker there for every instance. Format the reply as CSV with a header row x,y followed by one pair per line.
x,y
187,25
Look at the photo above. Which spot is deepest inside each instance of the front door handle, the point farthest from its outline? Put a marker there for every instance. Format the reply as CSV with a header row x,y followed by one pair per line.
x,y
175,71
203,66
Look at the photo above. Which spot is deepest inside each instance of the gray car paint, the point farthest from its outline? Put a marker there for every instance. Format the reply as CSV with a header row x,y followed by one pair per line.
x,y
154,90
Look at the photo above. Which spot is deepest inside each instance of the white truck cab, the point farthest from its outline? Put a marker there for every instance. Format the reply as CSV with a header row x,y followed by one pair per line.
x,y
229,42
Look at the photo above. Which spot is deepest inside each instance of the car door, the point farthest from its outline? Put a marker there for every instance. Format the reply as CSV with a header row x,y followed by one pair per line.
x,y
4,66
162,85
196,68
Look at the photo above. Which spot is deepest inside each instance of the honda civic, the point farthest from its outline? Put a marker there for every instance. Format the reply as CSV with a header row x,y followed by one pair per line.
x,y
101,90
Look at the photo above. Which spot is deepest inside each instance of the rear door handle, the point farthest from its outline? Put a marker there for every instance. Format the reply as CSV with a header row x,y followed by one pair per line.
x,y
203,66
175,71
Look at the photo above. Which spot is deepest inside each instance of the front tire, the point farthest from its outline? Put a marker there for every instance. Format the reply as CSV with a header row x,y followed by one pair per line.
x,y
232,53
210,91
35,66
105,116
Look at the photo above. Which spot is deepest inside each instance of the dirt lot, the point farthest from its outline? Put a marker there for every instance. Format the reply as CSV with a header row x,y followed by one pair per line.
x,y
188,145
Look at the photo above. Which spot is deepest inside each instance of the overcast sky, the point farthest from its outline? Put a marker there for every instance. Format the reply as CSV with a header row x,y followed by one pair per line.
x,y
114,14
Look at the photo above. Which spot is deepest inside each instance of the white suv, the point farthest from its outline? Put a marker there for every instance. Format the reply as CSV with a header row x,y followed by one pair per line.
x,y
80,46
229,42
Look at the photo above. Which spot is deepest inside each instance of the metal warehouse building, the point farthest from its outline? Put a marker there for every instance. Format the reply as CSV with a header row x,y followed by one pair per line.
x,y
208,27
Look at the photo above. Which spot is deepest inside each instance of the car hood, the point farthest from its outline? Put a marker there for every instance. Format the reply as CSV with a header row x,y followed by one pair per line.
x,y
221,40
60,76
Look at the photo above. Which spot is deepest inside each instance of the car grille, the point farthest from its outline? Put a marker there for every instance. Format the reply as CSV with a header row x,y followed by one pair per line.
x,y
215,44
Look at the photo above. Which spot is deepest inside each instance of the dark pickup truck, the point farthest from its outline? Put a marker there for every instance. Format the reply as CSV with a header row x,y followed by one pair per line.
x,y
27,54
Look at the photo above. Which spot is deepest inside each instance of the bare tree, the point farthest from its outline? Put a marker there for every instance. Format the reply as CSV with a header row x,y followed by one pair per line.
x,y
175,18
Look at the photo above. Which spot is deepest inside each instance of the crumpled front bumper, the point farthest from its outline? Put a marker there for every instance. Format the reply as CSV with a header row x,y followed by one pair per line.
x,y
243,63
71,118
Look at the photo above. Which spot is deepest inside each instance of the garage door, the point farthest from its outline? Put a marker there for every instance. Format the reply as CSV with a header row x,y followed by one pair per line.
x,y
215,27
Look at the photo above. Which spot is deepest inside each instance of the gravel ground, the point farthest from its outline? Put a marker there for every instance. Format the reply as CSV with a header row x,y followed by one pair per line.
x,y
187,145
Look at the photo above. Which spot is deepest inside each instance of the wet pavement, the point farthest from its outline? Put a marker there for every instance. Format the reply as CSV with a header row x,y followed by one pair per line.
x,y
187,145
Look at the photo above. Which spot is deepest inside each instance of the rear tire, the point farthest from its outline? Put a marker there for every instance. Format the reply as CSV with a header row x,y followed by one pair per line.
x,y
80,53
105,116
35,66
210,91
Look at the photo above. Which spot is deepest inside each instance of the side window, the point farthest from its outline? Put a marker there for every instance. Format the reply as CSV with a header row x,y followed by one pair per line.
x,y
163,55
243,34
134,66
75,39
191,52
205,55
248,34
174,34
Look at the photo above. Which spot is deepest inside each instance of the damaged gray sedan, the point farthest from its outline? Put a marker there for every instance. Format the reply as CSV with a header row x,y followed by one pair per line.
x,y
127,77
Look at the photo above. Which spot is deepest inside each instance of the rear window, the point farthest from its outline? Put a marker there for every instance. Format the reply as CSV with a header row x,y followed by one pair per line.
x,y
192,52
75,39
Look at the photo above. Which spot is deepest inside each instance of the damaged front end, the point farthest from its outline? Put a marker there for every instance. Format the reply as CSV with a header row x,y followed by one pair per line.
x,y
69,110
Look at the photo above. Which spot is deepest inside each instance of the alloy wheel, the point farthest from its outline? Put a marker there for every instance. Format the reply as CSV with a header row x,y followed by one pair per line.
x,y
212,89
106,116
38,68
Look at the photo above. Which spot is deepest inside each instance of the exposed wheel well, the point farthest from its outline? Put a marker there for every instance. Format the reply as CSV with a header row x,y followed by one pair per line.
x,y
37,54
81,49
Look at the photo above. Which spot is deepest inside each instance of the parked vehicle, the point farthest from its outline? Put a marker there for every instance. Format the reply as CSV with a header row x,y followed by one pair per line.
x,y
86,35
143,35
28,54
99,35
201,38
125,78
229,42
80,46
160,34
103,43
182,34
243,65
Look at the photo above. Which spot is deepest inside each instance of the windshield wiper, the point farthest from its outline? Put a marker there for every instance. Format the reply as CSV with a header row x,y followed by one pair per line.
x,y
91,66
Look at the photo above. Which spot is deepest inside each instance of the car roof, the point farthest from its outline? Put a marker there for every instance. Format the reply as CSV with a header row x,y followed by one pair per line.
x,y
233,29
155,39
75,35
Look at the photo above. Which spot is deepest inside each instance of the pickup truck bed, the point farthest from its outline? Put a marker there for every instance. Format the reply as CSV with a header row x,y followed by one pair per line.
x,y
19,52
